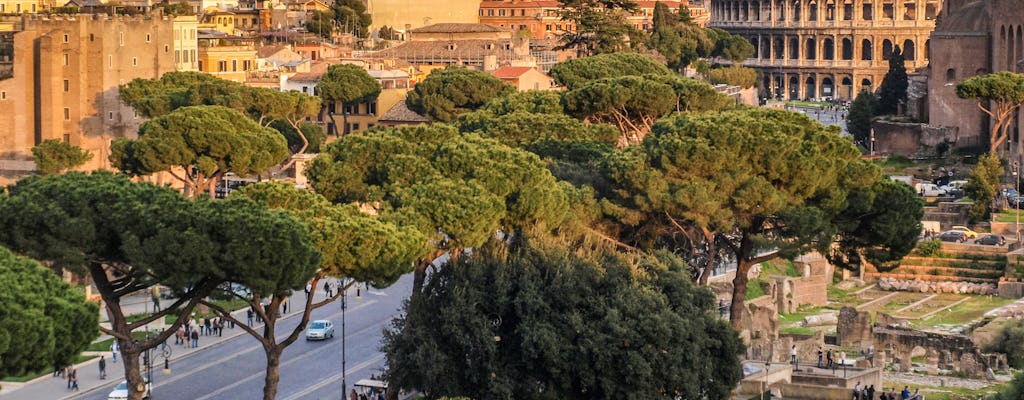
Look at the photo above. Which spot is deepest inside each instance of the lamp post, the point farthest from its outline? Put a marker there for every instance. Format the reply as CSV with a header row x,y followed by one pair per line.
x,y
872,142
764,383
345,119
344,294
1016,211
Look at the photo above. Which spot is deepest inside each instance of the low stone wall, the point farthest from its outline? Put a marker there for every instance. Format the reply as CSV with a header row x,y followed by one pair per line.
x,y
1013,290
936,287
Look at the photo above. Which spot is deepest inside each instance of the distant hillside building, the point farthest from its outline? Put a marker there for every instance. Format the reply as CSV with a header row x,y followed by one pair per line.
x,y
403,15
474,45
524,78
975,37
66,73
541,18
827,48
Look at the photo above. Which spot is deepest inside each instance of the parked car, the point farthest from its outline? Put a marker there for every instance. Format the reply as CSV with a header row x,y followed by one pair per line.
x,y
320,329
967,231
929,190
120,391
952,236
991,240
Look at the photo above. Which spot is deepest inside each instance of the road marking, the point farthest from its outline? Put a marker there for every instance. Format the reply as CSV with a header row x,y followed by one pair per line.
x,y
335,378
244,352
282,365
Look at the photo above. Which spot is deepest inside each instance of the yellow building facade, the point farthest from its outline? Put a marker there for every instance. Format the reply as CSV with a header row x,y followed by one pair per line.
x,y
25,6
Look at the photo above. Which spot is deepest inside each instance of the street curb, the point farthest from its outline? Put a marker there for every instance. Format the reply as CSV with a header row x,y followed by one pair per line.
x,y
225,339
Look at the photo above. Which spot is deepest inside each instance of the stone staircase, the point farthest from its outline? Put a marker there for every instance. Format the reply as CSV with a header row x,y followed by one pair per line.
x,y
962,266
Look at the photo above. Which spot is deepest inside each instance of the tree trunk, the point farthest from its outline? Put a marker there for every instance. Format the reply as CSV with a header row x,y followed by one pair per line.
x,y
712,257
132,370
273,372
739,292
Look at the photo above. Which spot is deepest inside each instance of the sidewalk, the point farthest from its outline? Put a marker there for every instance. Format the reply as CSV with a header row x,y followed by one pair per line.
x,y
49,387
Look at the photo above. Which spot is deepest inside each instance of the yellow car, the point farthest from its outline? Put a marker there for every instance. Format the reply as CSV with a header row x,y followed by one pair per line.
x,y
970,234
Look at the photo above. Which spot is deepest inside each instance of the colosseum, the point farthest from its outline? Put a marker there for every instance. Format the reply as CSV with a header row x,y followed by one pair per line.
x,y
827,48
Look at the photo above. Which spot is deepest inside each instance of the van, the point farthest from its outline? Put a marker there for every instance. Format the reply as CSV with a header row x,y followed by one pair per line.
x,y
929,190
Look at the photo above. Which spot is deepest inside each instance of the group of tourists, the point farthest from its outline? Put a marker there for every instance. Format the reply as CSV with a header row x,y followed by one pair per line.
x,y
188,333
868,393
70,373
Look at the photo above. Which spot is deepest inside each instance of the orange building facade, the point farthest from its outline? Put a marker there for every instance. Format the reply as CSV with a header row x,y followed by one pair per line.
x,y
541,17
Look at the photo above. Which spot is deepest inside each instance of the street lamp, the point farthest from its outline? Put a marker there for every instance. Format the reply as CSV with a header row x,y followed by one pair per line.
x,y
344,293
872,141
764,383
345,118
1016,211
166,355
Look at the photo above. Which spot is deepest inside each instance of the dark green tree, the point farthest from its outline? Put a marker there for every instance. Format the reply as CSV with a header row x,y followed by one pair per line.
x,y
576,72
558,324
733,75
1013,391
983,186
45,323
153,98
601,26
763,183
446,93
455,189
633,103
352,17
314,134
54,156
198,145
893,90
126,237
175,9
998,95
880,225
349,85
1010,341
731,47
321,23
862,111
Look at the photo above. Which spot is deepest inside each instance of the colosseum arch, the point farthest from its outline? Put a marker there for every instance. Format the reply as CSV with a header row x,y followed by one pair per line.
x,y
757,46
931,10
794,87
886,49
846,52
745,11
865,84
777,44
780,11
810,87
812,11
758,8
766,48
846,87
796,11
908,50
828,87
828,49
809,50
830,10
888,10
794,48
867,52
909,11
847,10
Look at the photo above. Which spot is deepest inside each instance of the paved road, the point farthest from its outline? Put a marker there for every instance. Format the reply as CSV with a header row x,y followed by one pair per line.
x,y
309,370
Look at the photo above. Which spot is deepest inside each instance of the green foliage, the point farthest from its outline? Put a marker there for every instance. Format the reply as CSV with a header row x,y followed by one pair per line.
x,y
175,9
983,185
551,324
321,23
929,248
602,26
352,17
45,322
999,95
893,90
313,133
352,244
633,103
533,101
734,75
730,47
579,71
880,225
863,109
456,189
1014,391
348,84
54,156
206,142
446,93
1010,341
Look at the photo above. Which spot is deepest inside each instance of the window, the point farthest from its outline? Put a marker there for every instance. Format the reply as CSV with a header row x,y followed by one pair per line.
x,y
65,36
234,65
67,114
355,127
33,8
547,27
501,12
110,115
91,37
67,59
67,85
950,75
135,61
110,61
372,107
120,39
67,138
305,89
200,65
177,56
481,12
167,48
147,38
3,95
490,13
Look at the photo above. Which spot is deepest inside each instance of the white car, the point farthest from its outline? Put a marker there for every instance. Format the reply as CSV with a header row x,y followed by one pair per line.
x,y
120,391
320,329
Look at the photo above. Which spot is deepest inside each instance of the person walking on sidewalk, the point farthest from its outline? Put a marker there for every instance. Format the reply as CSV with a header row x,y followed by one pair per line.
x,y
74,379
114,348
103,368
68,371
195,339
248,315
155,295
206,326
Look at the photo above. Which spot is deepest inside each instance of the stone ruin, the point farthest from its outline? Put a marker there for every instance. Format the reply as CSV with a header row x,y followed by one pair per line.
x,y
893,338
920,286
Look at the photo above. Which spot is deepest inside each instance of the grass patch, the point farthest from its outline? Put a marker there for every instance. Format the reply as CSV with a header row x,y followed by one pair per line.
x,y
755,289
949,392
964,312
33,375
798,330
104,345
1008,215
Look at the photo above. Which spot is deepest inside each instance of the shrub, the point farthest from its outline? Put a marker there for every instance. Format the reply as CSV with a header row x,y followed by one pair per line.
x,y
1010,340
929,248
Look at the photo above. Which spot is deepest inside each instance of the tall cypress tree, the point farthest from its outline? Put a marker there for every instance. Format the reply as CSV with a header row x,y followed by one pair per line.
x,y
894,85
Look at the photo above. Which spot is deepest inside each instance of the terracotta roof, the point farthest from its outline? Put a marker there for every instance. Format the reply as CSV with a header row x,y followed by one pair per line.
x,y
401,113
451,27
971,18
467,49
510,72
305,77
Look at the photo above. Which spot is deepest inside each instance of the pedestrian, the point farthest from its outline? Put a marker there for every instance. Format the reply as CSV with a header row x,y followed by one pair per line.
x,y
74,380
179,336
58,371
114,348
856,391
155,294
206,325
828,358
352,395
309,288
917,394
892,393
68,373
884,396
871,392
821,357
195,339
905,394
248,316
284,306
103,368
220,327
792,355
328,288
